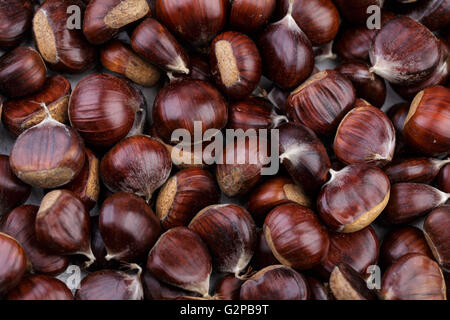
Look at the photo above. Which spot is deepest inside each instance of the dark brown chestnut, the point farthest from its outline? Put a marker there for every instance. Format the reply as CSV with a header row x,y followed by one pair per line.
x,y
296,236
275,283
104,19
104,109
138,164
157,290
63,225
443,179
353,197
278,98
15,21
263,256
118,57
200,69
181,103
347,284
184,195
355,11
13,192
20,224
419,170
229,288
249,16
427,126
318,290
410,201
365,135
404,52
40,287
434,14
321,102
153,41
21,114
180,258
128,226
197,22
13,263
230,234
402,241
22,72
98,247
413,277
436,228
398,113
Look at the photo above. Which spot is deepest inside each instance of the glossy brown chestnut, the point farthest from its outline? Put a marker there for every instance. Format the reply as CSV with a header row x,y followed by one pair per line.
x,y
318,290
40,287
434,14
427,126
104,109
278,97
443,179
104,19
249,16
410,201
182,102
158,290
230,234
21,114
153,41
22,72
368,85
138,164
365,135
194,21
13,263
353,197
355,11
296,236
15,21
118,57
63,225
235,64
304,156
20,224
402,241
184,195
180,258
229,288
419,170
111,285
321,102
347,284
436,228
128,226
13,192
413,277
275,283
263,256
286,52
408,60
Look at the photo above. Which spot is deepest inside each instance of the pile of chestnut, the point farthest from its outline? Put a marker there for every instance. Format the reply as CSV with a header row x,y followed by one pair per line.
x,y
357,210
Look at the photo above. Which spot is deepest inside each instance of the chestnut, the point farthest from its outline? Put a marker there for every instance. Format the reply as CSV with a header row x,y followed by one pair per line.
x,y
229,288
355,11
398,113
153,41
20,224
22,72
137,164
404,52
275,283
278,98
318,290
427,126
436,228
63,225
413,277
21,114
249,16
13,263
321,102
104,19
180,258
410,201
200,69
118,57
181,103
443,179
418,170
197,22
263,256
286,52
40,287
13,192
365,135
296,236
157,290
15,21
304,156
368,85
184,195
347,284
230,234
104,109
432,14
128,226
353,197
111,285
402,241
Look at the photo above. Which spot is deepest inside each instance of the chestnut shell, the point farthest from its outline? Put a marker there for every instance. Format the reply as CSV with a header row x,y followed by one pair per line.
x,y
40,287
